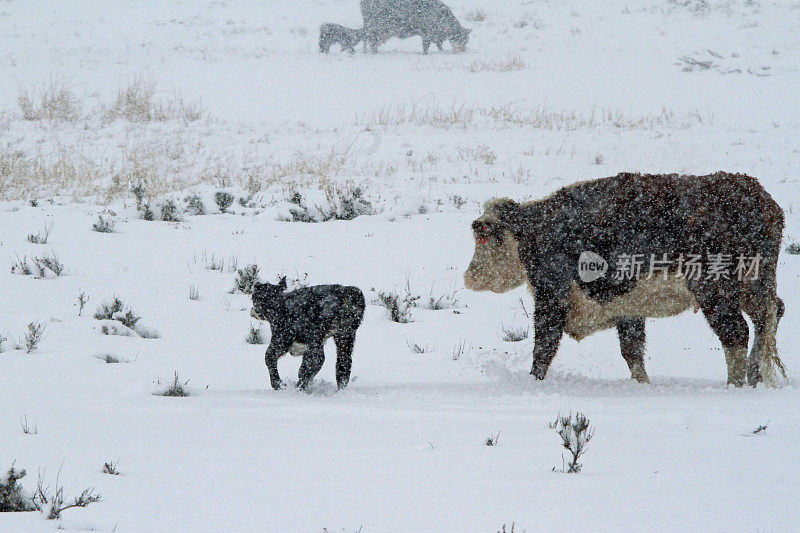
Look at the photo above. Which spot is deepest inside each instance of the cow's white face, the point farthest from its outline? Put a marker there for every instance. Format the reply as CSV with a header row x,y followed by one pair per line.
x,y
495,266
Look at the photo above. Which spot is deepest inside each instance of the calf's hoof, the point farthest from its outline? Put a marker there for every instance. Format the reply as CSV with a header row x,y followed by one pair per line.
x,y
278,385
538,372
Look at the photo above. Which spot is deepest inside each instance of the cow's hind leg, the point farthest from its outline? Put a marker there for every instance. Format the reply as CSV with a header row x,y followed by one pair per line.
x,y
725,317
344,357
631,343
312,363
765,314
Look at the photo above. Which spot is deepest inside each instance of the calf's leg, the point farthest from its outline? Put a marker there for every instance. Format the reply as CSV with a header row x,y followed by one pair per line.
x,y
277,348
344,357
311,365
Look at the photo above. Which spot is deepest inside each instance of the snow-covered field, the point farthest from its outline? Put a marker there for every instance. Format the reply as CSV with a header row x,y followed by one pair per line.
x,y
547,93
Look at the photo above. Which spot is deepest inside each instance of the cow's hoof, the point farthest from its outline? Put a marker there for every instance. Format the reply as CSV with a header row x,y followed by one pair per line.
x,y
753,376
278,385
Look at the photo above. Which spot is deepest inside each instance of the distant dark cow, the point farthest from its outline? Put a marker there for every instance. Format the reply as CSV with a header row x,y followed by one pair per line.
x,y
660,225
429,19
330,34
301,320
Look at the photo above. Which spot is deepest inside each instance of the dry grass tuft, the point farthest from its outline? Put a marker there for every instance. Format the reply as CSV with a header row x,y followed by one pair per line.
x,y
135,103
464,116
510,63
55,102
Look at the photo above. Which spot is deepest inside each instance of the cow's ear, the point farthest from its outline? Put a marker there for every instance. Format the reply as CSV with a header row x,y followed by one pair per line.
x,y
282,284
258,286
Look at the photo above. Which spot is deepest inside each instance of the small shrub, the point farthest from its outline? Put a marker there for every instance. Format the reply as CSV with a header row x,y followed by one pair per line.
x,y
298,281
478,15
418,348
460,349
761,429
343,203
457,200
347,203
49,262
28,428
56,503
399,306
443,301
169,211
21,266
14,498
194,205
492,440
246,278
139,190
793,248
177,389
33,336
110,467
224,200
220,263
254,335
104,224
575,434
42,236
513,334
194,293
116,311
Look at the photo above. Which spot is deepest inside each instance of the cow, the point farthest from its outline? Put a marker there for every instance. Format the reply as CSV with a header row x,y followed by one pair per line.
x,y
347,38
658,224
301,321
429,19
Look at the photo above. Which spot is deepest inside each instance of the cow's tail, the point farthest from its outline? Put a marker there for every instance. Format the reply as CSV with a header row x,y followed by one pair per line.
x,y
769,362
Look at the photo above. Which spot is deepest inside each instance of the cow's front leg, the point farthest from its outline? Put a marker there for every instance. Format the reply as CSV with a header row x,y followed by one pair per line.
x,y
277,348
312,363
426,43
631,342
549,317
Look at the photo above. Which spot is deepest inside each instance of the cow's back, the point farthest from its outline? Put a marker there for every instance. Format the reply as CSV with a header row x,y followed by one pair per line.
x,y
668,214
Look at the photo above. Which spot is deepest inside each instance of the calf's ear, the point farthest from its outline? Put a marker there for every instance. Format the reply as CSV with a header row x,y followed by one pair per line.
x,y
282,284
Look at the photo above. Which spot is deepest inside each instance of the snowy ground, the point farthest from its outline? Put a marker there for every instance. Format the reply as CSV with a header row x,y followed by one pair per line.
x,y
546,94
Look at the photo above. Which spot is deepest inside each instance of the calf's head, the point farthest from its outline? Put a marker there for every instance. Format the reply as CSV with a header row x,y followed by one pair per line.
x,y
459,40
266,299
495,266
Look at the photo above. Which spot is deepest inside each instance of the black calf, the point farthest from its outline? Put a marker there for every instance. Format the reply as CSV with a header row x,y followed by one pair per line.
x,y
302,320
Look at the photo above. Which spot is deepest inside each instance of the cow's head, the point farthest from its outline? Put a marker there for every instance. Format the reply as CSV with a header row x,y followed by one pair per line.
x,y
459,41
266,298
495,266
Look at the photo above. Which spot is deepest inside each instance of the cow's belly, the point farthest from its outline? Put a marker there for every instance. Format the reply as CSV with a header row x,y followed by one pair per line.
x,y
654,298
